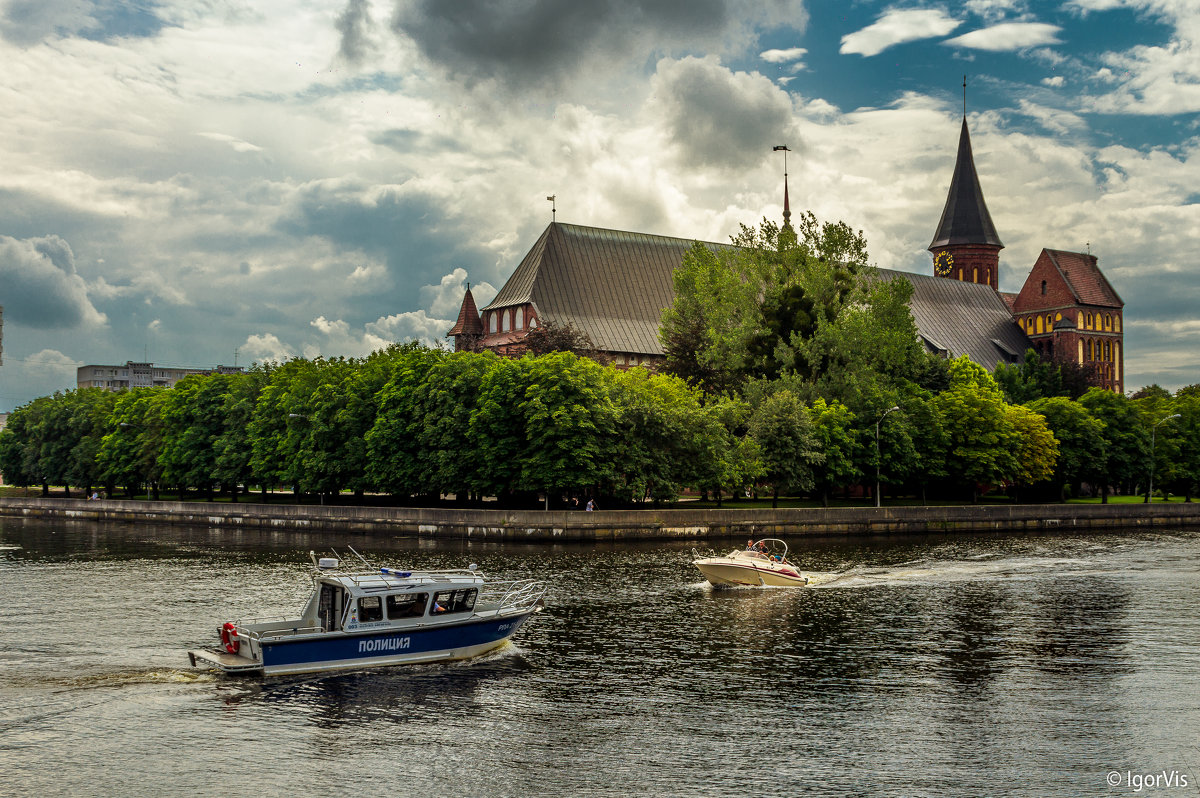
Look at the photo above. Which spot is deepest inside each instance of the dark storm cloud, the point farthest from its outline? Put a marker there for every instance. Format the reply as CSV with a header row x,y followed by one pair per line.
x,y
411,232
39,287
720,118
542,42
354,25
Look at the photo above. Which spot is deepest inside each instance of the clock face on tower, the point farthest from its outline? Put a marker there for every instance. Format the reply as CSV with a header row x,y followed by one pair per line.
x,y
943,262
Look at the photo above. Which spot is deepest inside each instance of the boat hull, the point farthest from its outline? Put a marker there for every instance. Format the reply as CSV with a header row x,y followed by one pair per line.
x,y
724,573
333,651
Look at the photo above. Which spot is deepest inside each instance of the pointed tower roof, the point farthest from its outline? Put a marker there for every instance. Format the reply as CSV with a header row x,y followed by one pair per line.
x,y
468,322
965,219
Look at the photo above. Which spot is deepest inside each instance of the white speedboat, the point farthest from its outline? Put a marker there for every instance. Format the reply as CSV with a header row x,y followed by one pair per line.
x,y
763,563
380,616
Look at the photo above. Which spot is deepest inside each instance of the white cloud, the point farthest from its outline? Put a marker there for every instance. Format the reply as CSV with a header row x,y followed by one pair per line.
x,y
1008,36
1056,82
783,56
896,27
265,347
1055,120
444,300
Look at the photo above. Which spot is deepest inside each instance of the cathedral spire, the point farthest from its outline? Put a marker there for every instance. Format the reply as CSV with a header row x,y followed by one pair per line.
x,y
965,219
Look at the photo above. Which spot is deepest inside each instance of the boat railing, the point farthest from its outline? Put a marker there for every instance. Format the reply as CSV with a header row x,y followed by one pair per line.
x,y
515,595
274,631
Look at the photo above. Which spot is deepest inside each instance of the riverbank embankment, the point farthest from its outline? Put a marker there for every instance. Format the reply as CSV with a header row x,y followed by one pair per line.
x,y
646,524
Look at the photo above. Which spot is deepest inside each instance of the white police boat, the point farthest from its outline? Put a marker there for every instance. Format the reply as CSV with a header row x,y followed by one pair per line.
x,y
379,616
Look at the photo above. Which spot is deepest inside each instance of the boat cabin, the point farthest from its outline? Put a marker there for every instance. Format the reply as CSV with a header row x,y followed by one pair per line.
x,y
390,598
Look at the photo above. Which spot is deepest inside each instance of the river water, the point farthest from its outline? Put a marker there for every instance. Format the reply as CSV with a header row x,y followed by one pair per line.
x,y
986,665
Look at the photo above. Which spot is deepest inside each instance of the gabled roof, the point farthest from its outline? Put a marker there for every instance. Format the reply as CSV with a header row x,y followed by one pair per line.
x,y
613,285
610,284
965,219
961,318
1087,283
468,322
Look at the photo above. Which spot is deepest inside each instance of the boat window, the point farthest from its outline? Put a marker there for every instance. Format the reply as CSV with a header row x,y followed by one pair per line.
x,y
454,601
370,608
406,605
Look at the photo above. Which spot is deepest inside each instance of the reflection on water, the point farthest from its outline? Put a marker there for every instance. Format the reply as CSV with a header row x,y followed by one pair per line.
x,y
1020,665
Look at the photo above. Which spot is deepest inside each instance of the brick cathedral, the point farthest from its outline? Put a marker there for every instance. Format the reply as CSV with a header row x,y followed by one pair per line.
x,y
612,285
1067,308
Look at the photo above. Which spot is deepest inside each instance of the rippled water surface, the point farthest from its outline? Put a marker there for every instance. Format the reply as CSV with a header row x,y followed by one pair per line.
x,y
998,665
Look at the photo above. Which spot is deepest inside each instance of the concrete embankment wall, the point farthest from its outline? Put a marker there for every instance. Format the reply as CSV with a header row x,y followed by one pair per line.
x,y
618,524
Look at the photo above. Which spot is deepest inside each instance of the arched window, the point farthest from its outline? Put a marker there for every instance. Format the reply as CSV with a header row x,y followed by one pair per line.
x,y
987,276
505,321
532,322
975,275
519,318
492,322
1090,351
1108,321
1117,324
1107,351
1058,317
1040,328
1043,287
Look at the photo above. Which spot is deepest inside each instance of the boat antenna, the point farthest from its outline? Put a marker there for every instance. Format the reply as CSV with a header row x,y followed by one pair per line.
x,y
359,556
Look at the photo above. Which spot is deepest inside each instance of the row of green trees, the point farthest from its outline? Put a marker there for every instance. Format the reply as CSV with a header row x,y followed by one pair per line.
x,y
416,422
791,367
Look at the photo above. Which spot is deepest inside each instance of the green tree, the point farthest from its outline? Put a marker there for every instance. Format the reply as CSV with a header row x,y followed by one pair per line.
x,y
1126,439
129,451
570,425
837,439
1035,447
790,451
1187,433
981,440
1082,454
397,458
447,398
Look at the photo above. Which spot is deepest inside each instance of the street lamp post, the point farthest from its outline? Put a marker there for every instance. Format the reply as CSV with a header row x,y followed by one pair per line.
x,y
877,423
1153,430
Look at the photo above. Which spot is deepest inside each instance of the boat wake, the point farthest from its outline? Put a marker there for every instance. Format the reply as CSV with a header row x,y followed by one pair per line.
x,y
944,571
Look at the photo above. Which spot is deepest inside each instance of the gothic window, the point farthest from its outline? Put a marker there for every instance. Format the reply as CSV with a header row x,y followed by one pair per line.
x,y
491,322
975,275
1090,351
1107,351
987,276
1043,287
1107,321
505,321
1040,329
519,323
1117,323
1058,317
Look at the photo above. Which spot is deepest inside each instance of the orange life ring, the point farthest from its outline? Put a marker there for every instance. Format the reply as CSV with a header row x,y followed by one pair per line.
x,y
229,637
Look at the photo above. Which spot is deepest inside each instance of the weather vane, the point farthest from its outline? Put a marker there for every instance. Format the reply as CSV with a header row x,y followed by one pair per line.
x,y
553,209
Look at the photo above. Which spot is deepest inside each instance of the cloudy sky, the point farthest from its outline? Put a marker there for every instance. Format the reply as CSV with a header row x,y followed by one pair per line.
x,y
197,180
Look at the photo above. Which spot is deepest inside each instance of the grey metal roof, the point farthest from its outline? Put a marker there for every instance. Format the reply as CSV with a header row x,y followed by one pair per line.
x,y
612,285
965,219
963,319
